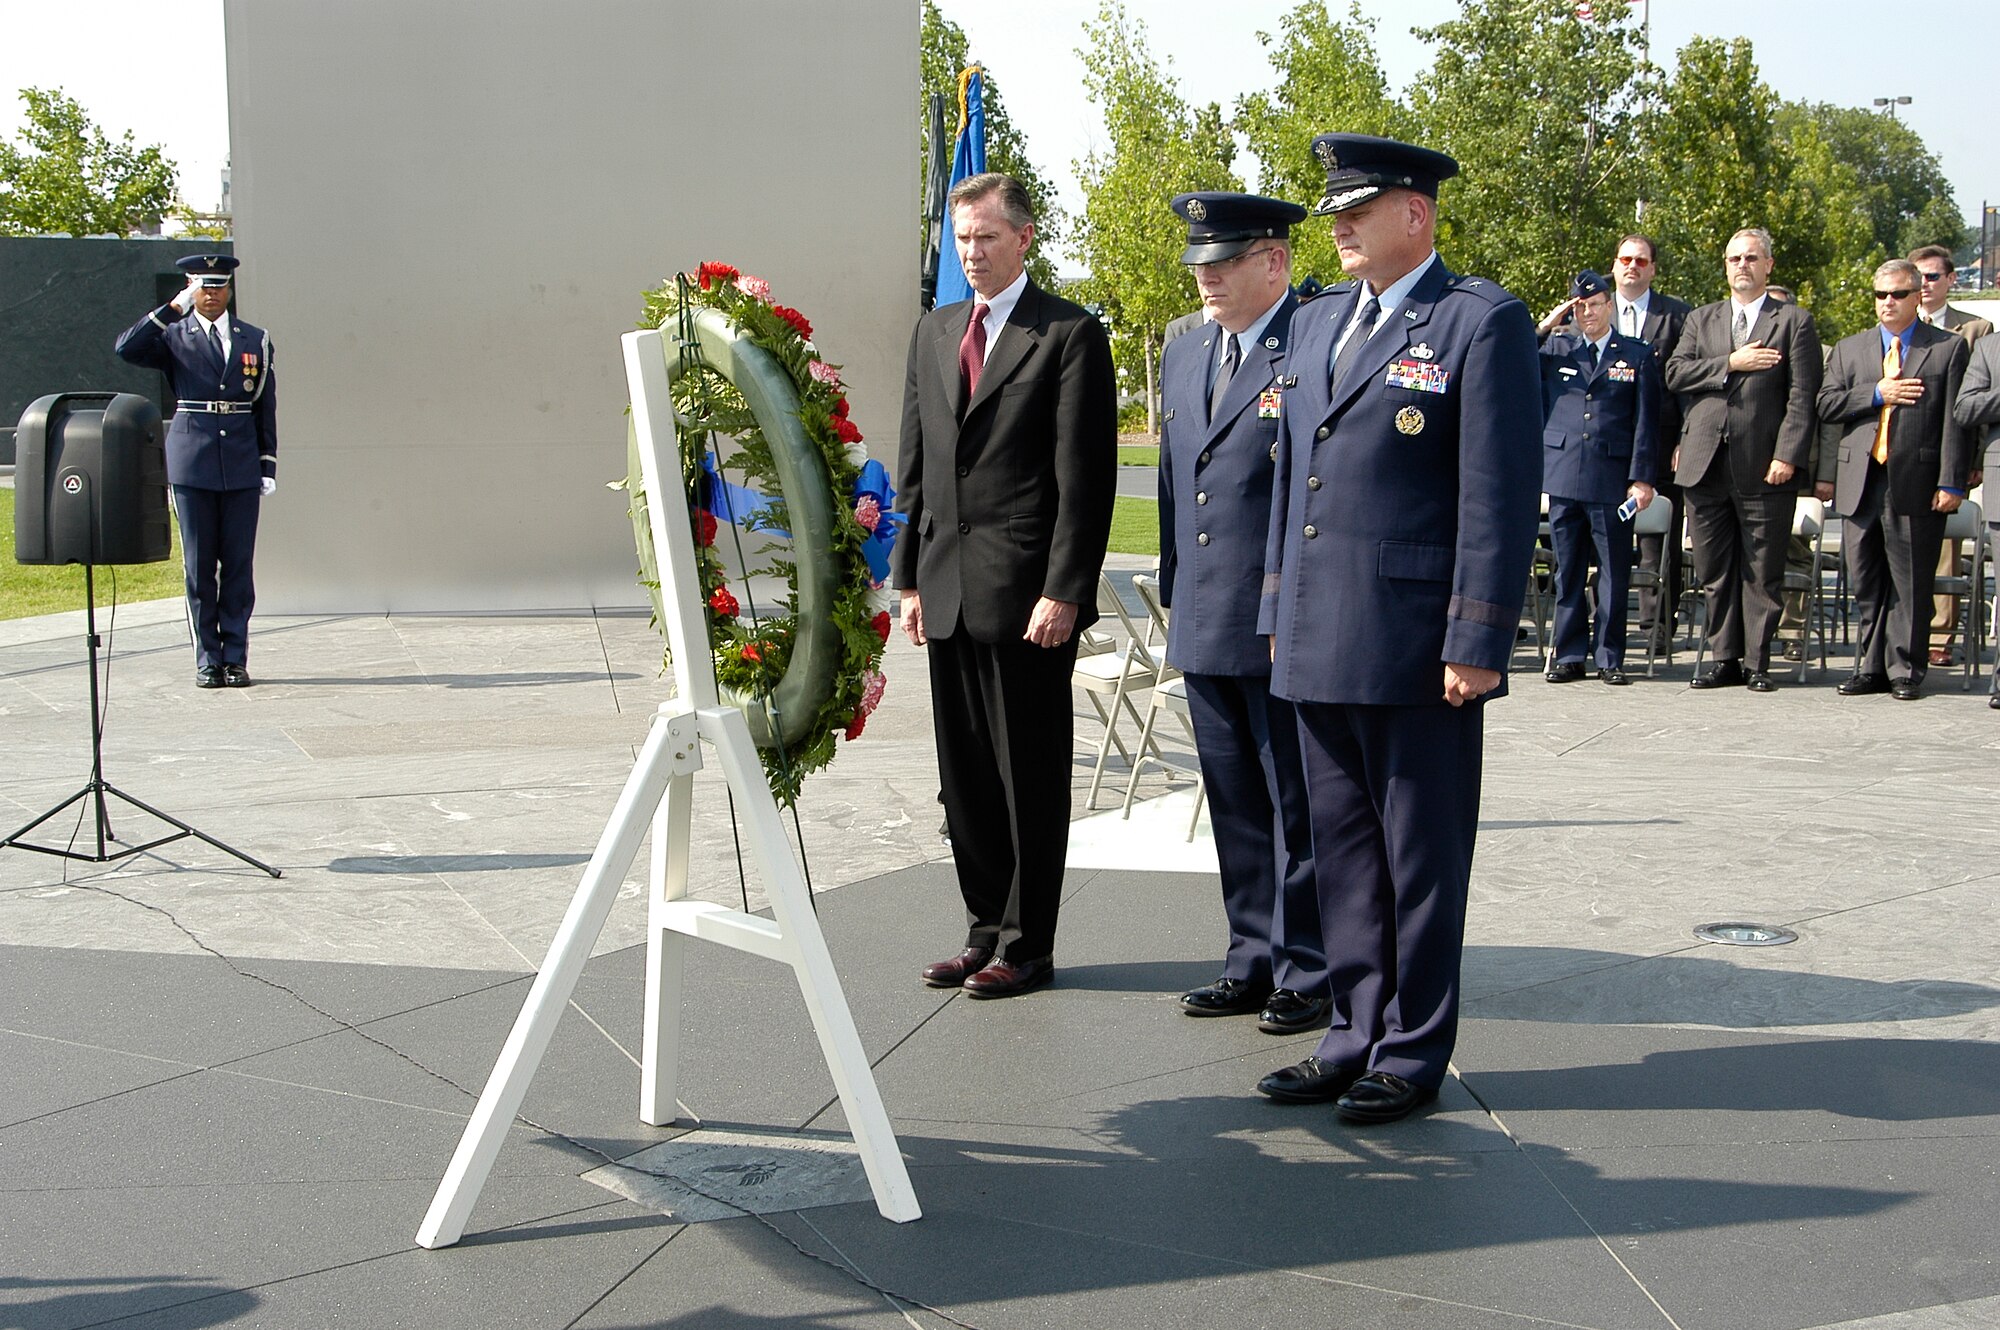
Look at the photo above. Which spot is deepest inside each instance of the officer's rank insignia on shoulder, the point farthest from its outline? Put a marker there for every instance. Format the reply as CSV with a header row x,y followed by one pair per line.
x,y
1268,402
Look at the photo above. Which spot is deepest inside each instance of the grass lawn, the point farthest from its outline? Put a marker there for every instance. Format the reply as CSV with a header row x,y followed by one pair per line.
x,y
1135,526
30,589
1138,454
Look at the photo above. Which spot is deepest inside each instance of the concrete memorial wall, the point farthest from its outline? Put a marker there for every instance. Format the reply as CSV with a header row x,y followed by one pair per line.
x,y
447,213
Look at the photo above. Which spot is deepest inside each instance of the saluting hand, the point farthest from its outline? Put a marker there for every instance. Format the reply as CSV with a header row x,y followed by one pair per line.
x,y
184,299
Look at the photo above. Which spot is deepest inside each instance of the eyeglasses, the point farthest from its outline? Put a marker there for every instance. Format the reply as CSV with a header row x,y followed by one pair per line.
x,y
1635,260
1934,276
1744,258
1233,259
1894,295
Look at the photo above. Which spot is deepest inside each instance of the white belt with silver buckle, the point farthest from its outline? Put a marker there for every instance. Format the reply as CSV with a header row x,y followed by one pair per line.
x,y
219,408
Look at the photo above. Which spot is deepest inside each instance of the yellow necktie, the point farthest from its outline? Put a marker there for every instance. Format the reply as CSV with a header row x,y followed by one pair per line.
x,y
1892,363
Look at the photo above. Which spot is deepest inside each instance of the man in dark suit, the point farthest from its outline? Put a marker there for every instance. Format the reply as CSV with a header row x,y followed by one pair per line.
x,y
1403,519
1006,474
1935,267
1747,370
1601,405
1977,409
222,454
1903,465
1655,318
1220,389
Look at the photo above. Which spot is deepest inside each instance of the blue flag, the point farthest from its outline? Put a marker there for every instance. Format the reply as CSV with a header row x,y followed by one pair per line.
x,y
968,159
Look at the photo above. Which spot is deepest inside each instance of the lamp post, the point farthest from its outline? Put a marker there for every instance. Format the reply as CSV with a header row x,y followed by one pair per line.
x,y
1892,103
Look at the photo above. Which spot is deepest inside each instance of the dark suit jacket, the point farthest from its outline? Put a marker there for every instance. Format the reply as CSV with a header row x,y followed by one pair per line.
x,y
1405,502
1927,447
205,450
1661,330
1215,498
1602,424
1754,416
1978,407
1008,499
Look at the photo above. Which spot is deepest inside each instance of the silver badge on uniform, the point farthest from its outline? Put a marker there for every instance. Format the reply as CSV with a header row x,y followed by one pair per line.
x,y
1422,351
1271,343
1196,211
1410,420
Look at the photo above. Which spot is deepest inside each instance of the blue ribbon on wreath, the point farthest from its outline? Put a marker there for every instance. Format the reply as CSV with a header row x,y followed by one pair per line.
x,y
740,504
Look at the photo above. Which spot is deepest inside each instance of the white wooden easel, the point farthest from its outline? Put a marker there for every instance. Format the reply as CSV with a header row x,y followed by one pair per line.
x,y
661,789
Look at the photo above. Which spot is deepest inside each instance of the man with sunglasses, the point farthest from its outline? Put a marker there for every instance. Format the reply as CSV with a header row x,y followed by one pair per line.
x,y
1655,318
1747,370
1218,441
1903,466
1934,265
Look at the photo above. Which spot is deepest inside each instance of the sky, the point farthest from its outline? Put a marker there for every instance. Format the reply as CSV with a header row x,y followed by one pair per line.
x,y
124,60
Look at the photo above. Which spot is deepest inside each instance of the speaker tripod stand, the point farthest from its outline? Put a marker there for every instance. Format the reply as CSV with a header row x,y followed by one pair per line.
x,y
96,788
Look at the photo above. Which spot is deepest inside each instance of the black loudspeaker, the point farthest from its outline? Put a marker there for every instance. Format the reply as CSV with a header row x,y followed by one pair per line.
x,y
90,481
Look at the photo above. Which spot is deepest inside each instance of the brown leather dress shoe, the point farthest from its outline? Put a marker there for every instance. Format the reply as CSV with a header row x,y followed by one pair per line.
x,y
1008,978
953,972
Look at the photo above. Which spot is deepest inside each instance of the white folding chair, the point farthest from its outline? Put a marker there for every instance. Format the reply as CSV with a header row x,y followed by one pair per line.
x,y
1111,679
1655,519
1169,695
1968,524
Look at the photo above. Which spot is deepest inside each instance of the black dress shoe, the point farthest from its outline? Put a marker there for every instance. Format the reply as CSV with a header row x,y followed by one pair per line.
x,y
1993,700
951,973
1795,651
1861,685
208,676
1292,1012
235,676
1001,979
1729,674
1226,997
1906,690
1382,1096
1567,672
1613,676
1308,1082
1760,681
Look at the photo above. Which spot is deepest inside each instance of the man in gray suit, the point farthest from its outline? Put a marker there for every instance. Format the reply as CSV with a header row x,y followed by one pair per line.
x,y
1006,474
1747,370
1903,464
1978,409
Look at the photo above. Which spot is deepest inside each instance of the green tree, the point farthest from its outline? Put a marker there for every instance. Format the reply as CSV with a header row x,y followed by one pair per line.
x,y
1541,110
1908,197
1126,236
1328,76
68,176
942,52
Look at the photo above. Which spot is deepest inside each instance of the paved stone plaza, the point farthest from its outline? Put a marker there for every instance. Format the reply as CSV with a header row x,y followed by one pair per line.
x,y
228,1099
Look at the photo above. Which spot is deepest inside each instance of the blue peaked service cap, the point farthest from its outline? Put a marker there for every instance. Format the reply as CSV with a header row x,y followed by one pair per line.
x,y
1360,166
1221,226
209,269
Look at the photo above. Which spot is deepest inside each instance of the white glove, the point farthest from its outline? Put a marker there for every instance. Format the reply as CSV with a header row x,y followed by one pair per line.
x,y
185,300
267,487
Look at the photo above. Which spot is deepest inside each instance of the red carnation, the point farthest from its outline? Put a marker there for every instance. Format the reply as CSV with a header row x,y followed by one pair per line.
x,y
751,653
793,317
881,622
711,273
723,603
845,430
840,408
704,526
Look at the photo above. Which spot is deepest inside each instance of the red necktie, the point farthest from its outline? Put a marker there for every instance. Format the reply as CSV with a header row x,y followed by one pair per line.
x,y
972,351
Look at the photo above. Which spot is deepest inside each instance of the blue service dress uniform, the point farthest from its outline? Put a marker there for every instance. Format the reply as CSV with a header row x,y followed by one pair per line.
x,y
1404,513
1215,507
222,443
1601,435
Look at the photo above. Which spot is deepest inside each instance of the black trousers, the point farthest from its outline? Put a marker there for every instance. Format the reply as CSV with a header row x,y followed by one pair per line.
x,y
1892,560
1739,555
1248,744
218,545
1005,738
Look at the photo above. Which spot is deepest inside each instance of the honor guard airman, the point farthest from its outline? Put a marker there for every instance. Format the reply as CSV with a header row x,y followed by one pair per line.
x,y
1220,387
1404,512
222,454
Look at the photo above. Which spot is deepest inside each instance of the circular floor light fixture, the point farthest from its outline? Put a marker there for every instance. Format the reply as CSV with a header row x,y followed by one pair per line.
x,y
1746,935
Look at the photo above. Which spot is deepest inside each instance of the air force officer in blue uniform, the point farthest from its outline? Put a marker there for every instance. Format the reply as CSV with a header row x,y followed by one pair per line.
x,y
1404,513
222,454
1219,386
1601,397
